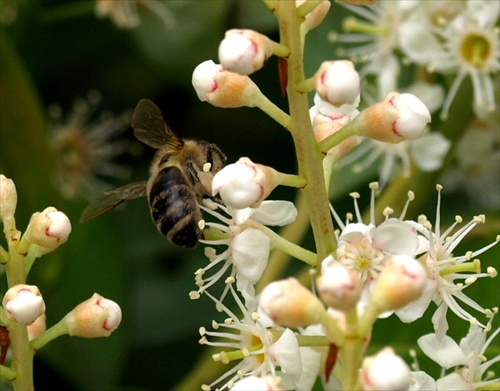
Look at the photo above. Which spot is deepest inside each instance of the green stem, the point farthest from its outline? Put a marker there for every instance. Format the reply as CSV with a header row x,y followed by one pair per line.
x,y
309,156
307,7
291,180
278,242
7,373
52,333
22,357
350,129
273,111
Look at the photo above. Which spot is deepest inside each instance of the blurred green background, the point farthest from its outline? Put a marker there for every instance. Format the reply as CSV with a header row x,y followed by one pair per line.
x,y
54,51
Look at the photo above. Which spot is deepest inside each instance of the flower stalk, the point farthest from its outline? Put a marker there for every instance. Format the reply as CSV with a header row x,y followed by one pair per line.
x,y
309,156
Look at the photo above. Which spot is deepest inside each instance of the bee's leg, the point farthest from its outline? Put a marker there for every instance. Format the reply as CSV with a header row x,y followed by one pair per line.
x,y
216,158
201,180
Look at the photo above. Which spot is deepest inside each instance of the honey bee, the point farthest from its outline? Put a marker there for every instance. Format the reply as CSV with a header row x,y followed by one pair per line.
x,y
181,176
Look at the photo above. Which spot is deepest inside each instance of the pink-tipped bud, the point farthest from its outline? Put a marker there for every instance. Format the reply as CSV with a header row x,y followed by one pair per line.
x,y
401,281
23,304
397,118
222,88
290,304
48,229
8,198
95,317
339,287
244,184
385,371
338,83
244,51
255,383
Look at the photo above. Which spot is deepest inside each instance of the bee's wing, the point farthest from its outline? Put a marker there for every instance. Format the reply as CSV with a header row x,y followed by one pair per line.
x,y
150,127
111,199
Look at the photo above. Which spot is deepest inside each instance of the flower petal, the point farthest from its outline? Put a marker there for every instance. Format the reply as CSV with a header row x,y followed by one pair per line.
x,y
444,351
276,213
395,237
250,254
429,151
287,354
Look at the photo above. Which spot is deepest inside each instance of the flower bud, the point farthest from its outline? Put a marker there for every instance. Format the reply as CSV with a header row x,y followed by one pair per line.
x,y
385,371
397,118
23,304
316,16
222,88
290,304
37,328
244,184
95,317
255,383
401,281
48,229
8,198
244,51
338,83
339,287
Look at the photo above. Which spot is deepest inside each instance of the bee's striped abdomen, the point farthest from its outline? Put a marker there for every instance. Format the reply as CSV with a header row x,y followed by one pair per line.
x,y
174,208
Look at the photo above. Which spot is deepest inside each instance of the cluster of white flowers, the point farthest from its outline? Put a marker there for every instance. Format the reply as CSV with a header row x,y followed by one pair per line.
x,y
23,309
454,40
373,269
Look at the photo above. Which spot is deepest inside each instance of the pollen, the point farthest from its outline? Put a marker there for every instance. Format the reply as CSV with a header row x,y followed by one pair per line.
x,y
207,166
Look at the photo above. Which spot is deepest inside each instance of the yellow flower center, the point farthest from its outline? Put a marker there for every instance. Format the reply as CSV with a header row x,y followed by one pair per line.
x,y
475,49
362,263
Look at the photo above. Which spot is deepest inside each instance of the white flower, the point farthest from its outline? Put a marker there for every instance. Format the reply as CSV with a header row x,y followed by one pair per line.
x,y
378,40
8,200
443,268
23,304
124,14
95,317
384,371
221,88
469,45
248,248
260,349
427,152
244,51
475,172
468,360
84,147
365,247
47,229
254,383
338,83
244,184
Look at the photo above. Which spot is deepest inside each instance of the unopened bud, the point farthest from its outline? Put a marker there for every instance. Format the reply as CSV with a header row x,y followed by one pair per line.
x,y
339,287
401,281
48,229
8,198
316,16
397,118
338,83
222,88
290,304
385,371
95,317
244,184
255,383
23,304
37,328
244,51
